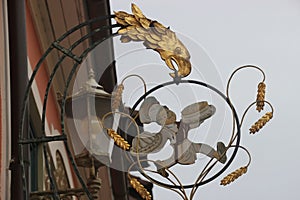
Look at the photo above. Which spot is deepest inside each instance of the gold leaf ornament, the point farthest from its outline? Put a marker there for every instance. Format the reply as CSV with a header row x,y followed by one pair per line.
x,y
260,99
261,122
119,140
143,192
233,176
137,12
136,27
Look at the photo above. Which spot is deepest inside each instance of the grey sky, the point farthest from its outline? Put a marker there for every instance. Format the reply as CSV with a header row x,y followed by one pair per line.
x,y
234,33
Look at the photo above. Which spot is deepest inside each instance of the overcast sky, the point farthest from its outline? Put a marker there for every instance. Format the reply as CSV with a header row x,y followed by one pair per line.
x,y
232,33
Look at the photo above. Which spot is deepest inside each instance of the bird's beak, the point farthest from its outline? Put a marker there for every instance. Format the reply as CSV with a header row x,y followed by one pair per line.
x,y
183,66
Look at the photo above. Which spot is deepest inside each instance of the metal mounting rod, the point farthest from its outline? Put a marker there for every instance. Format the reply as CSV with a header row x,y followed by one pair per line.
x,y
44,139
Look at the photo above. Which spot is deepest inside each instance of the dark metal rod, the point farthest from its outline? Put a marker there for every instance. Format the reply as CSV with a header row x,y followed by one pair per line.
x,y
53,185
22,122
43,139
39,64
45,103
56,67
67,52
18,82
89,22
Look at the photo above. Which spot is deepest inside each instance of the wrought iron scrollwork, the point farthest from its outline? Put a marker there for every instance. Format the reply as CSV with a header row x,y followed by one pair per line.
x,y
135,27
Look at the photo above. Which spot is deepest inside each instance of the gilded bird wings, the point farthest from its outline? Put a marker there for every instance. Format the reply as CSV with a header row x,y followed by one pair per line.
x,y
137,27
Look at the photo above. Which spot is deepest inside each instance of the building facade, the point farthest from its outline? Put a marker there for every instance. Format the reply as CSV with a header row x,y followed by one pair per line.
x,y
23,41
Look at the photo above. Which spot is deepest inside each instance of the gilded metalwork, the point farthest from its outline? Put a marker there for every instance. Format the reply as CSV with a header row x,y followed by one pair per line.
x,y
143,192
137,27
119,141
260,98
192,116
261,122
233,176
184,150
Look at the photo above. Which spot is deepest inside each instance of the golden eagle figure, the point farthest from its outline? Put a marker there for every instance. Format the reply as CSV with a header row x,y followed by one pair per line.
x,y
136,27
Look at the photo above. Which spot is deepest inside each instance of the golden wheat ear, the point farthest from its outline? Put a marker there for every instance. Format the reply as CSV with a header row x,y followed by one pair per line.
x,y
119,141
233,176
261,122
260,98
143,192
